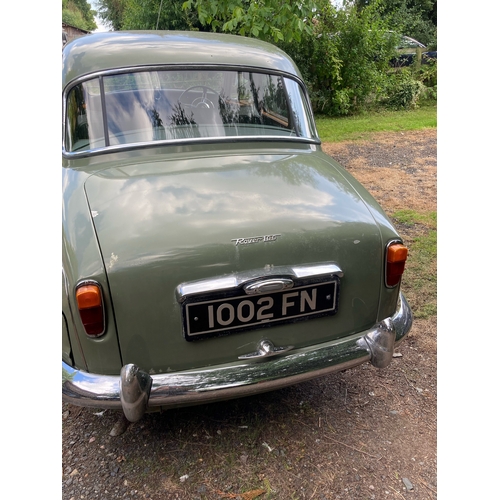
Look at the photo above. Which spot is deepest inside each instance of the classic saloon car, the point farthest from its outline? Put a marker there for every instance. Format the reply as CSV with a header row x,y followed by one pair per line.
x,y
211,250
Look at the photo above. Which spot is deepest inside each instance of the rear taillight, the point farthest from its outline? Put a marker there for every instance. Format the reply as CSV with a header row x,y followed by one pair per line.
x,y
91,308
396,256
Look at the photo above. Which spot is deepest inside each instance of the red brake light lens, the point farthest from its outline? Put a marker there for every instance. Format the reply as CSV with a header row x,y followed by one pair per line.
x,y
90,307
396,257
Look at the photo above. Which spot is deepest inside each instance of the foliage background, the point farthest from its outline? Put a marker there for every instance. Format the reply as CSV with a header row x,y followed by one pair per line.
x,y
343,51
78,13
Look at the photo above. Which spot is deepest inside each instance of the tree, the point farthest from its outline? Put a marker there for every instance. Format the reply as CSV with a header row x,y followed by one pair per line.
x,y
79,14
147,15
414,18
272,20
159,14
276,20
111,12
345,60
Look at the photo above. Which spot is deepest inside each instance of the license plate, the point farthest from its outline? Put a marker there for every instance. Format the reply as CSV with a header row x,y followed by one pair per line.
x,y
211,317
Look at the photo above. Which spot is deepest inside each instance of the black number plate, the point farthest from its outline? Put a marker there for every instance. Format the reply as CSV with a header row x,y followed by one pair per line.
x,y
206,318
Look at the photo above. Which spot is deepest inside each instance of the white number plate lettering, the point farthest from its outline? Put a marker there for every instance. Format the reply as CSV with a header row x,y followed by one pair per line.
x,y
214,317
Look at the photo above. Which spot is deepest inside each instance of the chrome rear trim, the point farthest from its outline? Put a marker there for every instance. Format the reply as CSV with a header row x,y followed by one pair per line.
x,y
135,385
266,349
268,285
228,283
235,380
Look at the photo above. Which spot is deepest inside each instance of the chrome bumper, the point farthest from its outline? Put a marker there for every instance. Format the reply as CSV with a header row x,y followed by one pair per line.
x,y
135,391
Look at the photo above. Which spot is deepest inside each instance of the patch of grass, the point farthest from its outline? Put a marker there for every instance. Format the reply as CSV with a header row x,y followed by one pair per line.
x,y
411,217
362,127
420,278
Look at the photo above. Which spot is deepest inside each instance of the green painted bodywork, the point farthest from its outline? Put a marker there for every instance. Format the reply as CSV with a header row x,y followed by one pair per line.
x,y
104,51
143,221
81,259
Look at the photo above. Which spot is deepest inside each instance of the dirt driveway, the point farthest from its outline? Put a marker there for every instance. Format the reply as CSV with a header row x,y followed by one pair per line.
x,y
361,434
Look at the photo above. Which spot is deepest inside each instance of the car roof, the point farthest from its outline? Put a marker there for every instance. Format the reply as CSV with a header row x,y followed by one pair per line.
x,y
120,49
412,40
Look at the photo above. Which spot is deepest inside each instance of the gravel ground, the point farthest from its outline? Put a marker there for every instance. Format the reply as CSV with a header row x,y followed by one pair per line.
x,y
360,434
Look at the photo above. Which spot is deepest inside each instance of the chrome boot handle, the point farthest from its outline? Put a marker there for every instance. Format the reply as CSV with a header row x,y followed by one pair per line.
x,y
266,349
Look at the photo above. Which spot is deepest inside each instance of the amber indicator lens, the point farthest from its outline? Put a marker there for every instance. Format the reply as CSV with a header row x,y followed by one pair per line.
x,y
397,254
89,301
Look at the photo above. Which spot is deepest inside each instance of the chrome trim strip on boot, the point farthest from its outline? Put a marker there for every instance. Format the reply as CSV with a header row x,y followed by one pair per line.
x,y
252,278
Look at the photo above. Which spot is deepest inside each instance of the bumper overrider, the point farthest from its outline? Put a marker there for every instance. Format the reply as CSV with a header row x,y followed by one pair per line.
x,y
135,391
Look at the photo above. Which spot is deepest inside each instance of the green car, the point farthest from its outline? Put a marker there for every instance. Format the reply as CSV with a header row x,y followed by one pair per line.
x,y
211,250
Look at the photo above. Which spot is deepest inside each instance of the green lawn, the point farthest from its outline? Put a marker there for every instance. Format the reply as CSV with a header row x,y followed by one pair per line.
x,y
363,126
418,229
420,277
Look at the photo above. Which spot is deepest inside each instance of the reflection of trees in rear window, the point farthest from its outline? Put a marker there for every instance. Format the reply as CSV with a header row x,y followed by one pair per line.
x,y
180,117
147,106
274,96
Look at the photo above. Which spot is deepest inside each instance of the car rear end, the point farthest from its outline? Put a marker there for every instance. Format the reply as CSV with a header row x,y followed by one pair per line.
x,y
210,249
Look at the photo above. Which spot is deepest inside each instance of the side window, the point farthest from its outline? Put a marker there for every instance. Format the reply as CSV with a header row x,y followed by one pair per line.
x,y
275,103
268,96
84,125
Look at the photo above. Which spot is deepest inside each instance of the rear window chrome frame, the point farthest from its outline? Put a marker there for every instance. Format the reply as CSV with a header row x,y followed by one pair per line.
x,y
198,140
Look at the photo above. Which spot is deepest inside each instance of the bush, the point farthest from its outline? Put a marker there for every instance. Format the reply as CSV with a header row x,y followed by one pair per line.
x,y
346,59
427,74
404,91
79,14
345,64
